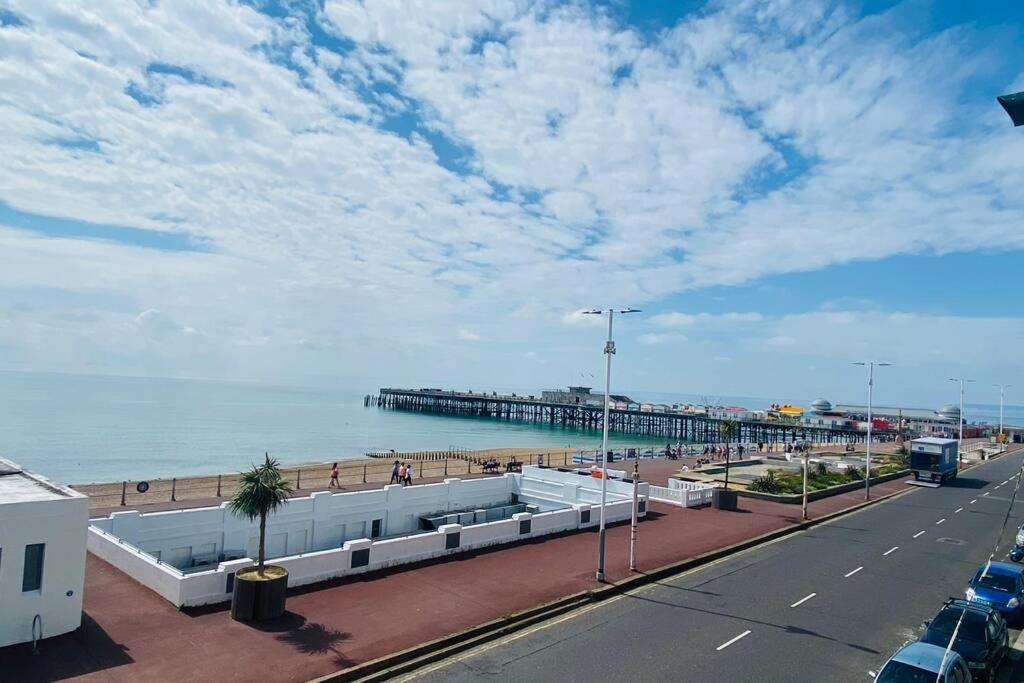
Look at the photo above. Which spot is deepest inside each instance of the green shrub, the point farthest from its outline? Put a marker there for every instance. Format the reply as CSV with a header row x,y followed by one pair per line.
x,y
855,474
766,483
821,470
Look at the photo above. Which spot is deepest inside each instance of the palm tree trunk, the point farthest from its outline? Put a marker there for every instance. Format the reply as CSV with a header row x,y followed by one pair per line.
x,y
263,534
726,465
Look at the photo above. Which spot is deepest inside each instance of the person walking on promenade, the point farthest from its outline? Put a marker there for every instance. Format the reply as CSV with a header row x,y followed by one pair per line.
x,y
408,474
401,474
334,477
394,473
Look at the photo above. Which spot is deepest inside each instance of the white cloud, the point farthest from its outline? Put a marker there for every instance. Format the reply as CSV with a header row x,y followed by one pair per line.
x,y
749,140
659,338
675,319
781,340
466,335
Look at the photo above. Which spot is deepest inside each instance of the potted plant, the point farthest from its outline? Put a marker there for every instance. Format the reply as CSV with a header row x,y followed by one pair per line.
x,y
724,499
260,591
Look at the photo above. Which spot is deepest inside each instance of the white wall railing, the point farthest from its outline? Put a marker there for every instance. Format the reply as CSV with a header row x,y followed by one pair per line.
x,y
353,556
686,494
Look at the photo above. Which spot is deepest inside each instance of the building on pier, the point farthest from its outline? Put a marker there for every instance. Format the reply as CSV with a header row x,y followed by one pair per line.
x,y
583,396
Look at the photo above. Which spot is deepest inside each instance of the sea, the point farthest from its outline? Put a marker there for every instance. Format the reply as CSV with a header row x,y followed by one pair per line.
x,y
81,429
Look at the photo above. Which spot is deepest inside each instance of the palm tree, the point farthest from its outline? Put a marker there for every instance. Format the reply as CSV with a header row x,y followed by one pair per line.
x,y
261,491
728,429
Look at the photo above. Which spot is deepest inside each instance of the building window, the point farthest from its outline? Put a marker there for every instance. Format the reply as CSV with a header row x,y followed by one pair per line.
x,y
32,579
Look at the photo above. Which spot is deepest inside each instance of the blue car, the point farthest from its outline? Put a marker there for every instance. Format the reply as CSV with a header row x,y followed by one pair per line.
x,y
920,663
1002,587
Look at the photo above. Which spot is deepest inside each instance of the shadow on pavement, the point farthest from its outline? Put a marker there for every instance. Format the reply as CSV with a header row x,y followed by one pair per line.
x,y
967,483
787,628
88,650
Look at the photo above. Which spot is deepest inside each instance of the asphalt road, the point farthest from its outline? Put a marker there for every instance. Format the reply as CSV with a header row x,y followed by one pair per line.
x,y
828,604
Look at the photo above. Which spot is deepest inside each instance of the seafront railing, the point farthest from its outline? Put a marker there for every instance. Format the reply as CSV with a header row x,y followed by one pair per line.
x,y
304,479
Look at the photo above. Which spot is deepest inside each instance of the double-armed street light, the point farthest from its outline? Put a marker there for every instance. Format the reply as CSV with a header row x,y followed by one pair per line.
x,y
871,365
1002,389
609,351
1014,106
960,442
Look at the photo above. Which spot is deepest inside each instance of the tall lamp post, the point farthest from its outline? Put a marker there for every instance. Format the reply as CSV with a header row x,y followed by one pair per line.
x,y
609,351
871,364
960,442
1002,388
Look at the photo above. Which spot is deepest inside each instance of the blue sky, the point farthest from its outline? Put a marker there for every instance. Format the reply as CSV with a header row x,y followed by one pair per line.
x,y
393,192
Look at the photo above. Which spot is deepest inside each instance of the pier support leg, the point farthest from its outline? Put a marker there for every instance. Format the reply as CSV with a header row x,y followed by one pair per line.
x,y
174,489
124,489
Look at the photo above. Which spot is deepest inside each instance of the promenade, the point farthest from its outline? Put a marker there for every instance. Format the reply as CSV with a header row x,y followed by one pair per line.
x,y
131,634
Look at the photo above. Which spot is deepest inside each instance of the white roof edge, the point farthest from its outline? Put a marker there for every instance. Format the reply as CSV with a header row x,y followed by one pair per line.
x,y
40,481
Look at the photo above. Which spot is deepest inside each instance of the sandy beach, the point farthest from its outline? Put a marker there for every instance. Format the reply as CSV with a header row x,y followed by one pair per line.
x,y
313,476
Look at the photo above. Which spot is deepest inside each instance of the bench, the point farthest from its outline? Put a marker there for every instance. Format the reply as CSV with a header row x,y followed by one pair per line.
x,y
491,467
513,466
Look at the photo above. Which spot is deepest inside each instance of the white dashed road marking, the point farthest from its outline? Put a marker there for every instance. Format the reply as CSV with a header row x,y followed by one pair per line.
x,y
891,550
940,521
730,642
918,534
849,574
973,501
957,510
803,600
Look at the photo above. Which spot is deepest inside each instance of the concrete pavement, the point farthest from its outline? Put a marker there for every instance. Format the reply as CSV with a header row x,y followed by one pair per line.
x,y
830,603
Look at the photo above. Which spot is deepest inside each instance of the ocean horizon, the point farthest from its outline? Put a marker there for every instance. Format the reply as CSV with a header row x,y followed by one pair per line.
x,y
95,428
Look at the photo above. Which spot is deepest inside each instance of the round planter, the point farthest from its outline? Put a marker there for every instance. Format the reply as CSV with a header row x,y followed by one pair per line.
x,y
257,598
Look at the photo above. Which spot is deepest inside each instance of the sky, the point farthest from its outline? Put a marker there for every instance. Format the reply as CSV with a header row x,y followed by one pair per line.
x,y
382,193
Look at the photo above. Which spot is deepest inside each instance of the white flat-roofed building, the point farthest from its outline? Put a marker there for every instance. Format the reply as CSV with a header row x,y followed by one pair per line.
x,y
42,555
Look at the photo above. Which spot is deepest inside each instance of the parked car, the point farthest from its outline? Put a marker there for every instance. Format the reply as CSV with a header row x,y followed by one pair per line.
x,y
982,638
1002,586
920,663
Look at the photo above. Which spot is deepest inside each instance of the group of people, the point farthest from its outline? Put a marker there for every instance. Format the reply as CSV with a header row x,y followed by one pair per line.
x,y
401,473
721,451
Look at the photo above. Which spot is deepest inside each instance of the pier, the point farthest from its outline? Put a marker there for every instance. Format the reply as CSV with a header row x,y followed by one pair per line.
x,y
671,425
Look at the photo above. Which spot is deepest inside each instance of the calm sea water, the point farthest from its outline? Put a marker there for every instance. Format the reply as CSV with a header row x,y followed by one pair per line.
x,y
81,429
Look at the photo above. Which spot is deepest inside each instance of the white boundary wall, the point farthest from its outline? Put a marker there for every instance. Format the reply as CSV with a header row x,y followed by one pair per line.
x,y
344,557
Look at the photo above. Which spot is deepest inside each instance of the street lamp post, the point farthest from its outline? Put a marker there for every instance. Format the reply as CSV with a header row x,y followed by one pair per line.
x,y
867,456
960,442
633,518
1014,106
807,456
1002,388
609,351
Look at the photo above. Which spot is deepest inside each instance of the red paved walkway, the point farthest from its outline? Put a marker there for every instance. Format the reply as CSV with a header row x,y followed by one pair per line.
x,y
130,634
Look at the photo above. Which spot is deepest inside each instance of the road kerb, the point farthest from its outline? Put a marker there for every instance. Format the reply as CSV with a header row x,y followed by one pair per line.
x,y
395,664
